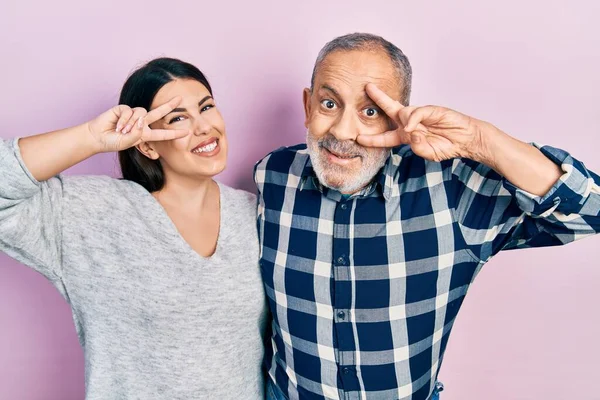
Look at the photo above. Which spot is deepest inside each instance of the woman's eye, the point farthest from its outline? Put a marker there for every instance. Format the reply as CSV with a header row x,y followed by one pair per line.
x,y
329,104
371,112
207,107
176,119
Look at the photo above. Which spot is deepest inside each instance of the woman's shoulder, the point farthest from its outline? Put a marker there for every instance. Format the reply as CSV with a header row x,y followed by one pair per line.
x,y
238,213
99,190
238,206
99,185
237,197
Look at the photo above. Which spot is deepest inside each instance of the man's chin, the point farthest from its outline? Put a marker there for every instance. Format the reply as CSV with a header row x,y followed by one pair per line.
x,y
338,182
331,184
336,177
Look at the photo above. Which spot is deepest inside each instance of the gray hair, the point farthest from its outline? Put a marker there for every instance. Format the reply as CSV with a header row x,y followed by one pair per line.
x,y
368,41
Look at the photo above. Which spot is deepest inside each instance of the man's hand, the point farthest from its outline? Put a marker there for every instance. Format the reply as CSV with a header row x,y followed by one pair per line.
x,y
434,133
437,133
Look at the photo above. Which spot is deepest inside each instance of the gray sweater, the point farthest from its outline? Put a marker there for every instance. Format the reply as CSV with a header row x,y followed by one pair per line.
x,y
155,319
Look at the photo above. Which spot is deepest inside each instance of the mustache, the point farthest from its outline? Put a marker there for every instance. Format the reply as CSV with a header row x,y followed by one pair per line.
x,y
346,147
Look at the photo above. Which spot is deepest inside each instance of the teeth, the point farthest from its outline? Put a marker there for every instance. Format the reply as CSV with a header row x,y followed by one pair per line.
x,y
206,149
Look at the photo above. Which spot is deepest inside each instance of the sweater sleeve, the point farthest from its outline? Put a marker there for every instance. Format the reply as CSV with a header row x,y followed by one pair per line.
x,y
30,215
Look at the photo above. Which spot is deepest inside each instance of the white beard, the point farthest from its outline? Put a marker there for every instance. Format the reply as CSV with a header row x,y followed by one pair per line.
x,y
338,178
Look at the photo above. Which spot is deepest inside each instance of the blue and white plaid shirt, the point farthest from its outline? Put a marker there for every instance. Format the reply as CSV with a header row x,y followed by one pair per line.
x,y
364,290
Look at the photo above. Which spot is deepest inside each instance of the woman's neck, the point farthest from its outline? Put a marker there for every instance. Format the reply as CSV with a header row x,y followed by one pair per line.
x,y
187,195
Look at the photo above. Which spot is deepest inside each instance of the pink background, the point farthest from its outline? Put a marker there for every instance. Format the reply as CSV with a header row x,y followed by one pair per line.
x,y
529,327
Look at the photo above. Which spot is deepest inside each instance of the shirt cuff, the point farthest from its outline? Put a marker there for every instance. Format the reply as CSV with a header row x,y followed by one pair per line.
x,y
567,195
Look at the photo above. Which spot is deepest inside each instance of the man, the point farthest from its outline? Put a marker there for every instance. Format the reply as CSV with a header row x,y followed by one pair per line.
x,y
367,252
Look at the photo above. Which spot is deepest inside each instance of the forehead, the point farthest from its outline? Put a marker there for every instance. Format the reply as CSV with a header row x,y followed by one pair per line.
x,y
350,71
189,89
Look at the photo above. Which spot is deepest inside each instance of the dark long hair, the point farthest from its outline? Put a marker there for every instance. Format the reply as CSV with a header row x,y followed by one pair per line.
x,y
139,91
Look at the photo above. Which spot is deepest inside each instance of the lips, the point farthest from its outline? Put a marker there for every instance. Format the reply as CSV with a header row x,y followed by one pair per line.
x,y
206,146
343,156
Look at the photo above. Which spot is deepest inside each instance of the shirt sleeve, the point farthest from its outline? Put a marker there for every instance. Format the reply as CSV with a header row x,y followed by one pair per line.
x,y
495,215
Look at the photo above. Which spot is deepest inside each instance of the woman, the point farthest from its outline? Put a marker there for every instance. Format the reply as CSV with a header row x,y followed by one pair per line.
x,y
160,268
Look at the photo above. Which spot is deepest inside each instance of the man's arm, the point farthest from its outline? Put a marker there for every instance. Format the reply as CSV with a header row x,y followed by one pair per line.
x,y
438,133
507,194
522,164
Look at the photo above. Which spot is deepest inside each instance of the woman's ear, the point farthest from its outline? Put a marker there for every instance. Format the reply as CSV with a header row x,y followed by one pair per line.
x,y
148,150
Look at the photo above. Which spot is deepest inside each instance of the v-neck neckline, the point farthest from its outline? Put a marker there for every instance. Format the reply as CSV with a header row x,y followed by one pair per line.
x,y
166,225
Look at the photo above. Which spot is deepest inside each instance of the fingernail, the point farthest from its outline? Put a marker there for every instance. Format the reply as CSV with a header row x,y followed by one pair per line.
x,y
140,122
127,129
118,130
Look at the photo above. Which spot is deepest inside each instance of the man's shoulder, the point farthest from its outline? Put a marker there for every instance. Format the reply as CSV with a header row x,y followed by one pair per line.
x,y
290,159
278,166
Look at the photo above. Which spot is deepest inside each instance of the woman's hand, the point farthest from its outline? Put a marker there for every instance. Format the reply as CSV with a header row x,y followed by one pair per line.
x,y
123,127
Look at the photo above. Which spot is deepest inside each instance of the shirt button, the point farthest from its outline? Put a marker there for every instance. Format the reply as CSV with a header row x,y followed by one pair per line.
x,y
346,370
341,315
344,206
341,260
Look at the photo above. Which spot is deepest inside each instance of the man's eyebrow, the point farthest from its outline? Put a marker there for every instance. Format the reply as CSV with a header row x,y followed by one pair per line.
x,y
365,97
330,89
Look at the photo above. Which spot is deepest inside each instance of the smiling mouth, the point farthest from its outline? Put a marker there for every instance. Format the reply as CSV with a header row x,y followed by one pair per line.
x,y
206,147
341,156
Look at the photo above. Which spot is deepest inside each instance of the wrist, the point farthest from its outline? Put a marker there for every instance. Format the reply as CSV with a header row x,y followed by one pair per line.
x,y
486,144
89,141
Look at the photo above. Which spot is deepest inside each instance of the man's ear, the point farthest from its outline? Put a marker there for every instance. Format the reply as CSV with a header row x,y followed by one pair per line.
x,y
148,150
306,98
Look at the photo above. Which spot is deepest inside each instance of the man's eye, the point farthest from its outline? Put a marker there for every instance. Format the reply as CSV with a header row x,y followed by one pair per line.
x,y
329,104
371,112
206,107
